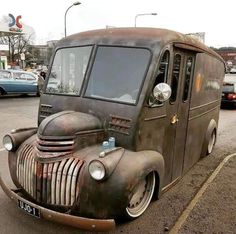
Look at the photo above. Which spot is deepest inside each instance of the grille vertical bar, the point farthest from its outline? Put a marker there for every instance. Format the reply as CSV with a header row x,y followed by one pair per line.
x,y
52,183
64,179
49,180
44,185
68,198
59,181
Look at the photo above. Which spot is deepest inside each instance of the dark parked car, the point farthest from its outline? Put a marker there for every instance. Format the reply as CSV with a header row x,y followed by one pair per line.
x,y
229,90
19,82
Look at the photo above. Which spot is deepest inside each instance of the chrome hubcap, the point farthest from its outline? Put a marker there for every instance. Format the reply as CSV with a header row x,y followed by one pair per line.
x,y
211,142
142,196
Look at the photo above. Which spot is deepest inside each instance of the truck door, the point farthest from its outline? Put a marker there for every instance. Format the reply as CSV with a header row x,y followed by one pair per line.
x,y
178,108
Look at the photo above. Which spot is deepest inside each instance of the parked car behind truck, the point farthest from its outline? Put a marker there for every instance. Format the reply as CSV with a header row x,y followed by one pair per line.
x,y
155,92
19,82
229,90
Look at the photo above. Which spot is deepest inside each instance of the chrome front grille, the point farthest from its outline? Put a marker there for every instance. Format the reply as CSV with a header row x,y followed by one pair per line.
x,y
55,146
52,183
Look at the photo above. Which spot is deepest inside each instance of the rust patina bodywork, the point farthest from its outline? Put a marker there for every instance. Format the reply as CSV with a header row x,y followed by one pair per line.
x,y
50,167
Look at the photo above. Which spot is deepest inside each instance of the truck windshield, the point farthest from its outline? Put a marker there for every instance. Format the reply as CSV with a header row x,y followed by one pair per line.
x,y
68,70
117,73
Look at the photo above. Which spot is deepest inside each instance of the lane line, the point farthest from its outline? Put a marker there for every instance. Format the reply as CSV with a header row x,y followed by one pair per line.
x,y
2,149
181,220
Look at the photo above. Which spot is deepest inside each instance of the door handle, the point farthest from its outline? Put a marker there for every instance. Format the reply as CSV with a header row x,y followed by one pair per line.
x,y
174,119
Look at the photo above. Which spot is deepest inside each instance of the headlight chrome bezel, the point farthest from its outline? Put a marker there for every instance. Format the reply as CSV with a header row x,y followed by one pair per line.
x,y
100,173
8,142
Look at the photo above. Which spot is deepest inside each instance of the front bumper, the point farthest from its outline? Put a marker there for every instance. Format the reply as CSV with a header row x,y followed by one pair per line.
x,y
74,221
230,102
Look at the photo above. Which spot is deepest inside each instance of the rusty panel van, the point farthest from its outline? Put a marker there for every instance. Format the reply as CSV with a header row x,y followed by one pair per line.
x,y
124,114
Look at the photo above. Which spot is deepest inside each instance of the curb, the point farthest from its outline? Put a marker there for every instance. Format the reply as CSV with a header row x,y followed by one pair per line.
x,y
183,217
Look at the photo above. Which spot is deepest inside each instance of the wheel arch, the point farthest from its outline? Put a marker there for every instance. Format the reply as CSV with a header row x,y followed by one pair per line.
x,y
2,90
115,192
152,161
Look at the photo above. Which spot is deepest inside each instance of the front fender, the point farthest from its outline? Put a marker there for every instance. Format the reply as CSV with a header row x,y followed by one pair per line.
x,y
109,198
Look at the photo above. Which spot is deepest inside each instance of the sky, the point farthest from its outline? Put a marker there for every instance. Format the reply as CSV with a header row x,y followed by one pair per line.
x,y
46,17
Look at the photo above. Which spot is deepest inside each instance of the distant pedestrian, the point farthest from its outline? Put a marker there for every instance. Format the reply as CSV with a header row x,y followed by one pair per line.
x,y
43,74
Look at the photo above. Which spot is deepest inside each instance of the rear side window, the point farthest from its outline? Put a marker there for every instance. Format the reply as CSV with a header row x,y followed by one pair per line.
x,y
188,72
228,88
175,77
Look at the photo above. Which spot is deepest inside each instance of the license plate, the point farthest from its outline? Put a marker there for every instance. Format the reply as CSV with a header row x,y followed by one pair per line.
x,y
29,209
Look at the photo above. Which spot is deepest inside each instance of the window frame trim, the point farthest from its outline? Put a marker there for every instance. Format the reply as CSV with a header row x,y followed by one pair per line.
x,y
141,84
84,78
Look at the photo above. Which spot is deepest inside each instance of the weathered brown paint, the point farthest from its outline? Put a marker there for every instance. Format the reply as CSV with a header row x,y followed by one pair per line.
x,y
167,139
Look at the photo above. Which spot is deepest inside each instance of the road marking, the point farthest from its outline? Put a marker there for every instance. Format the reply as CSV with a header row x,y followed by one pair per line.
x,y
2,149
181,220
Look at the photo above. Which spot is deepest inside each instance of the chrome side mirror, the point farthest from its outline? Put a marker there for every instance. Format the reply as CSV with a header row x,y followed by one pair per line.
x,y
162,92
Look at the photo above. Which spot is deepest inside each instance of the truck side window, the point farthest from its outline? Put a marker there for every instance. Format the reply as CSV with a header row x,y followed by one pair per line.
x,y
175,77
188,71
163,68
162,75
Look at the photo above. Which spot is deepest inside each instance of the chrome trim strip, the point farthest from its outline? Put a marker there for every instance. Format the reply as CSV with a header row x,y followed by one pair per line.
x,y
206,104
154,118
53,143
204,113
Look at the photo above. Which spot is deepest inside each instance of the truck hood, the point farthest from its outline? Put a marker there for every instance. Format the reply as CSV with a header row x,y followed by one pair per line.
x,y
68,123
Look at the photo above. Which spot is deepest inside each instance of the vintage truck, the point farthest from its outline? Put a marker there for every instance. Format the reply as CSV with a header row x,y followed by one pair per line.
x,y
124,114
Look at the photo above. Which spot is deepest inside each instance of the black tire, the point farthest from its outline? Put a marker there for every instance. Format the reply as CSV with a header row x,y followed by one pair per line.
x,y
1,92
141,198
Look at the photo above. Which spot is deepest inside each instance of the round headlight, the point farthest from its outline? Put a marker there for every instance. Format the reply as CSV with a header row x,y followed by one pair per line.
x,y
97,170
8,142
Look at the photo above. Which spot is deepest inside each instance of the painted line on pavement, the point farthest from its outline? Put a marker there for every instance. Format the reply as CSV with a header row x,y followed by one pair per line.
x,y
183,217
2,149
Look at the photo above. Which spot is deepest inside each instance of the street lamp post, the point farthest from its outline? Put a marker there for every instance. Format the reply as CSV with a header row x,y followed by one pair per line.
x,y
142,15
74,4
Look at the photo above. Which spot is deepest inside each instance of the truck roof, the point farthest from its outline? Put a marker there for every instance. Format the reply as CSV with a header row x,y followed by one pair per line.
x,y
148,36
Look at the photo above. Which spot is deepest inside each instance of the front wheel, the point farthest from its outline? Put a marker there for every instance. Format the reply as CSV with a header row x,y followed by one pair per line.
x,y
142,197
